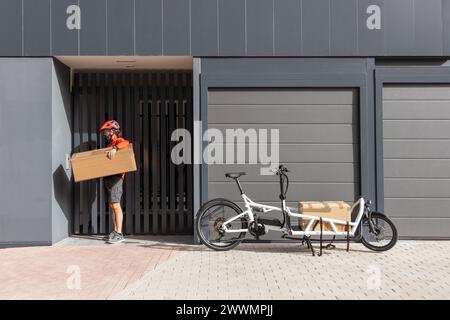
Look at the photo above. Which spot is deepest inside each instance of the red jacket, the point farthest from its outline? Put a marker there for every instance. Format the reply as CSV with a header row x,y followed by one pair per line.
x,y
120,143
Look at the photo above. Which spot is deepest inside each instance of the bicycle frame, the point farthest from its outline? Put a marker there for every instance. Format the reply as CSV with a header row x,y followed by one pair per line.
x,y
291,212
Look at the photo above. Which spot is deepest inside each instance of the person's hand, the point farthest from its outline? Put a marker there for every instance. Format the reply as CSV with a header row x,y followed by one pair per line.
x,y
111,154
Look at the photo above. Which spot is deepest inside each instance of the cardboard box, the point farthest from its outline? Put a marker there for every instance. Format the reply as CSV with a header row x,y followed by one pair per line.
x,y
95,164
338,210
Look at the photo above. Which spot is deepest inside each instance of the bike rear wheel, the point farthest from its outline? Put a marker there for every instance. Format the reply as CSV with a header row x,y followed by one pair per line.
x,y
385,235
210,218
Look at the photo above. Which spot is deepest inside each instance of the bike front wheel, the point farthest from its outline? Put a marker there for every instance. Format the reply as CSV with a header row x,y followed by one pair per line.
x,y
384,235
210,219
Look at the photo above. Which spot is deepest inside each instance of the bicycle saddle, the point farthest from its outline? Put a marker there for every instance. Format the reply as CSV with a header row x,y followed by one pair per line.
x,y
234,175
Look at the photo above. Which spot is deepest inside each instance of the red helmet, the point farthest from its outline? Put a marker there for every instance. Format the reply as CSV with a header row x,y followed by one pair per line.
x,y
110,125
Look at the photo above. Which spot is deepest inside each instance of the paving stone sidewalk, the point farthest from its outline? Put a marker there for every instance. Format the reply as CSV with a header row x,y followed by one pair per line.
x,y
174,268
411,270
82,267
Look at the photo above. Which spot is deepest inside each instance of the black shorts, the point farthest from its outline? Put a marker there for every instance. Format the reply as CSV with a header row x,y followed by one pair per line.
x,y
114,186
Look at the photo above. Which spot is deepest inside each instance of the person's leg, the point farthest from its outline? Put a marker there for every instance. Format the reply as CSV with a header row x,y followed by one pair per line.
x,y
115,197
113,213
117,216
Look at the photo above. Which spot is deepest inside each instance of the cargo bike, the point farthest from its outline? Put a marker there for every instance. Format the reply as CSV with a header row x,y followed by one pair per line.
x,y
222,225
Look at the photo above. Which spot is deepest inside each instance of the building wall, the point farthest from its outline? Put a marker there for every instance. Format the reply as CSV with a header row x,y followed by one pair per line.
x,y
25,150
226,28
35,188
61,146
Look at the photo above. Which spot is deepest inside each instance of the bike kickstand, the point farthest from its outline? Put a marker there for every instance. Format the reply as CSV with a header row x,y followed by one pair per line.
x,y
309,245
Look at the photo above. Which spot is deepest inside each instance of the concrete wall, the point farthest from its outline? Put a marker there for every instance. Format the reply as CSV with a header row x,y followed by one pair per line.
x,y
35,194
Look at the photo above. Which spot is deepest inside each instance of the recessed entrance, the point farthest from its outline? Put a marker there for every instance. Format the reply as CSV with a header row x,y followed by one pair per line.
x,y
149,104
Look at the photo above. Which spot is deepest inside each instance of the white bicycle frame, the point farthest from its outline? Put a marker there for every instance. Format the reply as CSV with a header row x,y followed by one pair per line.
x,y
308,231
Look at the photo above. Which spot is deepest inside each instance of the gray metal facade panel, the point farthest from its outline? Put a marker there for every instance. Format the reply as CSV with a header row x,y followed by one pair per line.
x,y
303,133
222,113
371,42
417,129
414,93
428,32
148,27
406,187
304,171
64,41
434,168
231,27
204,37
317,152
446,27
260,28
417,109
323,154
36,27
304,97
93,39
176,27
316,27
120,23
417,149
21,178
416,161
283,66
400,40
61,146
10,28
421,228
287,27
415,208
344,28
244,27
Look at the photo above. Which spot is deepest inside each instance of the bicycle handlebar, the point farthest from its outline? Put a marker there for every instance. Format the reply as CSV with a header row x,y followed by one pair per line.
x,y
281,169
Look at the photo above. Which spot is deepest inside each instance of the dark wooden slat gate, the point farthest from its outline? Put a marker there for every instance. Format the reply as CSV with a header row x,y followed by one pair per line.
x,y
149,106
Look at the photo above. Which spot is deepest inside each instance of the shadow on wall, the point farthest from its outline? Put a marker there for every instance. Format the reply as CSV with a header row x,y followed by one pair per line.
x,y
63,77
63,194
86,193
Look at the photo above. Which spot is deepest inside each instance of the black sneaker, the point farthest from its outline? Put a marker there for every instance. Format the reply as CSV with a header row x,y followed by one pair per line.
x,y
117,238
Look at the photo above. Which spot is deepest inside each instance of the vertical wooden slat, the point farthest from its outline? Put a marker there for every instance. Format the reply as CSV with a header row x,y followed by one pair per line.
x,y
172,181
155,152
118,115
189,168
85,147
93,145
129,184
163,133
179,186
111,103
137,148
146,141
76,145
101,120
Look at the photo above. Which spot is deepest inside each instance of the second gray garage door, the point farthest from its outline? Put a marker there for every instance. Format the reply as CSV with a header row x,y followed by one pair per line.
x,y
318,141
416,129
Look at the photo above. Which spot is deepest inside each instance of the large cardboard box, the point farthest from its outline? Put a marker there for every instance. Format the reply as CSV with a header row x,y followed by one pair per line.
x,y
95,164
338,210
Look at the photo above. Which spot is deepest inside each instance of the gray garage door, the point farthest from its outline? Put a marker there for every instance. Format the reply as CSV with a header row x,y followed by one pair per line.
x,y
318,132
417,158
